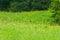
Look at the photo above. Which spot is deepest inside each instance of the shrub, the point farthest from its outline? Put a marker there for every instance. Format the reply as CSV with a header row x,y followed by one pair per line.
x,y
4,4
24,5
40,4
27,5
17,6
56,15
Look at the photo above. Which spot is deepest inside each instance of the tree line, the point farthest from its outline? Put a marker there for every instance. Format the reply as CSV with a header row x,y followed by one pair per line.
x,y
24,5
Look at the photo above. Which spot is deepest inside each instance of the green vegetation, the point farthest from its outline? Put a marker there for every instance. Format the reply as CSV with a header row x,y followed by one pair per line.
x,y
56,8
24,5
18,31
17,26
33,16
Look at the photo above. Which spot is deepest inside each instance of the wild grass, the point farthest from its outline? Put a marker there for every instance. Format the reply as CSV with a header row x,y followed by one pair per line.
x,y
28,26
33,16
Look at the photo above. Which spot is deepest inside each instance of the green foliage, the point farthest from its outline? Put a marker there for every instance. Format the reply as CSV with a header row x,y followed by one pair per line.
x,y
4,4
24,5
56,12
17,6
40,4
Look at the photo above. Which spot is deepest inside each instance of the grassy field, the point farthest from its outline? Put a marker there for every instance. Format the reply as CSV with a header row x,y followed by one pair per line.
x,y
33,16
34,25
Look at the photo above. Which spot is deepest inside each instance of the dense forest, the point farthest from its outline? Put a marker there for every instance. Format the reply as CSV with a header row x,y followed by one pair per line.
x,y
24,5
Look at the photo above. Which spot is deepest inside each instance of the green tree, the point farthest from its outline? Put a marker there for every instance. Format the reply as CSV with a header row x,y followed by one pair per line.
x,y
56,11
27,5
41,4
4,4
19,5
24,5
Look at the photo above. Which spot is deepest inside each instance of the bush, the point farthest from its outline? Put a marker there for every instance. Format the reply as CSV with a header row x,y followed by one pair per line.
x,y
56,15
27,5
40,4
24,5
4,4
17,6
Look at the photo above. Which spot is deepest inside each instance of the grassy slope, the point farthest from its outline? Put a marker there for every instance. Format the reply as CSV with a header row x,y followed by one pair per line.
x,y
14,27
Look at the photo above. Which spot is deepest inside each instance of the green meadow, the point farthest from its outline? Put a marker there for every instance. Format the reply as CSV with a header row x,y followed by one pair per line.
x,y
33,25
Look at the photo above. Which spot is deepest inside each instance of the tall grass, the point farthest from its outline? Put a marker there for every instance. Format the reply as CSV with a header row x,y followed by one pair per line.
x,y
28,26
33,16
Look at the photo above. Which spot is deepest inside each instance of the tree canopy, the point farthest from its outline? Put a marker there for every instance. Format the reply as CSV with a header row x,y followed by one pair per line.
x,y
24,5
